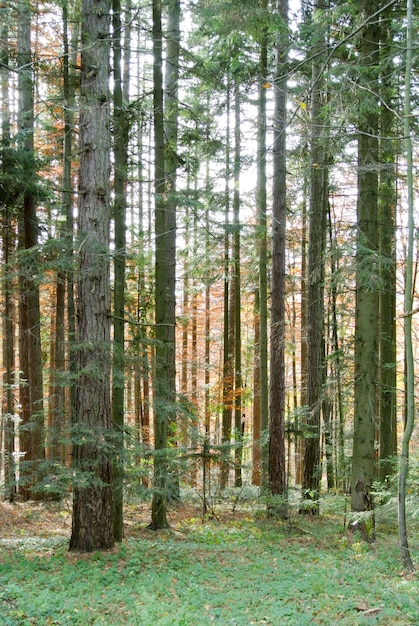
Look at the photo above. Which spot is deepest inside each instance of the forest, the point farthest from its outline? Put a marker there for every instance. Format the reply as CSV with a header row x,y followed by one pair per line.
x,y
208,295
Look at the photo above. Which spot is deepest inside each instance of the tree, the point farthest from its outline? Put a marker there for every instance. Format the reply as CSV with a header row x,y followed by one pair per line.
x,y
92,523
366,321
8,247
316,261
238,376
277,477
387,201
32,432
163,290
120,150
408,300
260,426
171,109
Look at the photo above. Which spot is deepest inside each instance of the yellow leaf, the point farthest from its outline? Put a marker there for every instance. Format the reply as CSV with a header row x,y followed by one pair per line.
x,y
303,105
266,85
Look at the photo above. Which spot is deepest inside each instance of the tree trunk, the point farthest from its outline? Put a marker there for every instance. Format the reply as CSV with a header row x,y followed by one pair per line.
x,y
387,230
30,354
366,322
315,294
277,474
227,321
7,271
120,151
92,525
408,301
262,345
238,418
171,107
163,297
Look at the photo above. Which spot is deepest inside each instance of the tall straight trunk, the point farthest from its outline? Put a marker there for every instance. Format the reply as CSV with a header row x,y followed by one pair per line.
x,y
30,353
193,435
337,360
92,524
300,443
387,231
120,152
56,406
277,473
207,357
408,301
315,294
7,271
69,60
57,396
238,376
256,443
164,342
260,425
227,334
366,322
171,107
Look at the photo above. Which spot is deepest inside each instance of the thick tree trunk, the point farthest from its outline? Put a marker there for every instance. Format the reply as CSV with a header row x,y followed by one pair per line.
x,y
277,473
92,525
366,322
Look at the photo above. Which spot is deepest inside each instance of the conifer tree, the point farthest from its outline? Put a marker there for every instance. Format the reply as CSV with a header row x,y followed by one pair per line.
x,y
92,523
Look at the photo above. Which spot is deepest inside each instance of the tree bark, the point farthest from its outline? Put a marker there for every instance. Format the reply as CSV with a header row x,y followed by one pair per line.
x,y
32,432
277,461
366,320
164,343
92,524
120,150
315,294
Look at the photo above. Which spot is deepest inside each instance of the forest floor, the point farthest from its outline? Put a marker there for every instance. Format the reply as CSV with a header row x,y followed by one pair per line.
x,y
237,567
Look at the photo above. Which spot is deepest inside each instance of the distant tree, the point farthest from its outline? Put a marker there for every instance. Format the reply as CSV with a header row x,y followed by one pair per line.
x,y
92,524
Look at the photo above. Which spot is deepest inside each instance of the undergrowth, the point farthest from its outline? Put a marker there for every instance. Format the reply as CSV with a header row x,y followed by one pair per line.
x,y
247,570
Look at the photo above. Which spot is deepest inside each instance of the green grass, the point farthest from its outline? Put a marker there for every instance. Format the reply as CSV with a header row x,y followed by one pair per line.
x,y
249,571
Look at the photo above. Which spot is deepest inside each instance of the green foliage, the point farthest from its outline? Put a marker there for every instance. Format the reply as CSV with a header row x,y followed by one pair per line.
x,y
18,175
243,572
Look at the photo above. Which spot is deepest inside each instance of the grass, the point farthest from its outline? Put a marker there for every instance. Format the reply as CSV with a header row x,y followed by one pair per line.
x,y
242,570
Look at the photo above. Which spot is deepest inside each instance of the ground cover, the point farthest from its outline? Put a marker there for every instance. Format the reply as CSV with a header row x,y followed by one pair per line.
x,y
239,569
